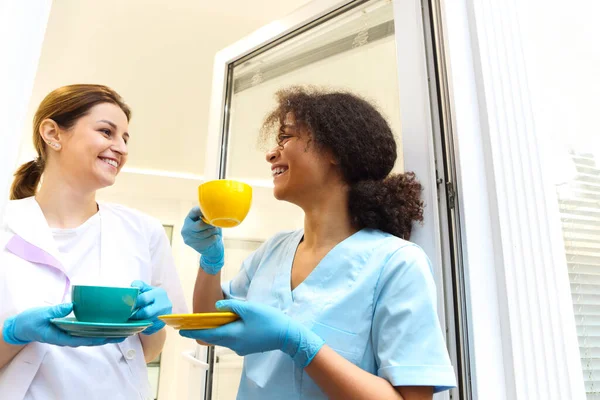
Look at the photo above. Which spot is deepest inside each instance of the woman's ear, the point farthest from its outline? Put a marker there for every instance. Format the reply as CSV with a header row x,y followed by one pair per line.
x,y
50,133
332,158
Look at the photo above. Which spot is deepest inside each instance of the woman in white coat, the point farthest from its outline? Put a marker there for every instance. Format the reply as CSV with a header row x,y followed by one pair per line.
x,y
59,236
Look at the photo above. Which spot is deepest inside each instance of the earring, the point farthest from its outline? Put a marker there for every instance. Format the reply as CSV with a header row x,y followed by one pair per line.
x,y
55,145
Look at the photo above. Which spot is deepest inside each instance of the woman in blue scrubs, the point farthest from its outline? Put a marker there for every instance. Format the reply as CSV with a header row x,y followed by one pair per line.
x,y
346,307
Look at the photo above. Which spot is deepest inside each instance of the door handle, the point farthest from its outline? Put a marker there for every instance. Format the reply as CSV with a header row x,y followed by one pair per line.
x,y
189,356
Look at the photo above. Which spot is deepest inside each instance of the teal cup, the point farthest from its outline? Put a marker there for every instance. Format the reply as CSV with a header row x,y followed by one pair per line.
x,y
103,303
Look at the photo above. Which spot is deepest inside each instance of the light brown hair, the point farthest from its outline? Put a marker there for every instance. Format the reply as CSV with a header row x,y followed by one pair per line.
x,y
64,106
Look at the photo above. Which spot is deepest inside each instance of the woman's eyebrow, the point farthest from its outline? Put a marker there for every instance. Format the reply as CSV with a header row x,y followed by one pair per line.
x,y
113,126
108,122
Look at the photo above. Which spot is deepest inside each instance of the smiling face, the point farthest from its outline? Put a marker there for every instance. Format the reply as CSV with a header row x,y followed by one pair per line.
x,y
299,169
94,150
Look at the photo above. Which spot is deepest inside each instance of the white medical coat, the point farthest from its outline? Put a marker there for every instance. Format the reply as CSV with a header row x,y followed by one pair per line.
x,y
133,246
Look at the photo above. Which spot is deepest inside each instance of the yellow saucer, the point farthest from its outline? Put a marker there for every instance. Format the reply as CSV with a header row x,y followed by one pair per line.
x,y
198,320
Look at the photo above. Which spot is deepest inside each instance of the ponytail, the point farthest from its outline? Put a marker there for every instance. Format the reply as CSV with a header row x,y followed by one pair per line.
x,y
27,179
390,205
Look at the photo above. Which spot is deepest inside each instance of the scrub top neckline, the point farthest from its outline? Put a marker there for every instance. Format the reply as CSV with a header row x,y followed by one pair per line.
x,y
320,272
94,219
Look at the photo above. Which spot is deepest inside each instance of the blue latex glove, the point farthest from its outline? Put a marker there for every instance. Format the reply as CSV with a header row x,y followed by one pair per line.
x,y
34,325
261,328
150,304
206,240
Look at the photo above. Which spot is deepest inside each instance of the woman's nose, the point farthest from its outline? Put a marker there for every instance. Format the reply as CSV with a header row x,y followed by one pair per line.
x,y
272,154
120,146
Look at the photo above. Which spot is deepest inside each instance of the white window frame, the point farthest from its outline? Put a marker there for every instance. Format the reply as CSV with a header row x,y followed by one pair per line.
x,y
522,328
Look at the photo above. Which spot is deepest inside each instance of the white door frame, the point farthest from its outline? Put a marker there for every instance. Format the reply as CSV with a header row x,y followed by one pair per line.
x,y
415,117
22,30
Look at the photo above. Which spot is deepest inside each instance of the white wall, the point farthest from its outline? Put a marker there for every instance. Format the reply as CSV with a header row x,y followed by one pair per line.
x,y
158,55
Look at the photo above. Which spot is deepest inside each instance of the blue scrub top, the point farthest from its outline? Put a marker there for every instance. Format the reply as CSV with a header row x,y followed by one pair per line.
x,y
372,299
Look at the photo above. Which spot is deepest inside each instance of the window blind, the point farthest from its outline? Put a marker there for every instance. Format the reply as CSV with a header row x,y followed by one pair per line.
x,y
579,203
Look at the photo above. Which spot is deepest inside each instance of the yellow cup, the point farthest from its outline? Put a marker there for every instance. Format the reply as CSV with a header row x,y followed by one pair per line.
x,y
224,203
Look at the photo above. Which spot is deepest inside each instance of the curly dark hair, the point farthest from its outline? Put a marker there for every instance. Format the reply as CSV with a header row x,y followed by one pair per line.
x,y
363,144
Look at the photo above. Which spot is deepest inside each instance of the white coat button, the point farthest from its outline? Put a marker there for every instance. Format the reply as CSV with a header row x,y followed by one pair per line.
x,y
130,354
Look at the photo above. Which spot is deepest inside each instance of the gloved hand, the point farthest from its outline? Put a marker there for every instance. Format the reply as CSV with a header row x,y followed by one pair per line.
x,y
150,304
261,328
206,240
34,325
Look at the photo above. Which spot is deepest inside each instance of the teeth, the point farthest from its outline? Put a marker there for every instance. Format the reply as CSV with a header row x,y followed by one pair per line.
x,y
278,171
111,162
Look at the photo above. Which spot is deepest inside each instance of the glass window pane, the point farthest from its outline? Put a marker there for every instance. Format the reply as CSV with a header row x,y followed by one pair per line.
x,y
355,51
579,203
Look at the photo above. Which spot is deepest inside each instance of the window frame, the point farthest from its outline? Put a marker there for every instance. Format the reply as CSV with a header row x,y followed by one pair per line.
x,y
522,328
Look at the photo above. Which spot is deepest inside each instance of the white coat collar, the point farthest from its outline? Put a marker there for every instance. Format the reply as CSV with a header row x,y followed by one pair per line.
x,y
32,240
25,218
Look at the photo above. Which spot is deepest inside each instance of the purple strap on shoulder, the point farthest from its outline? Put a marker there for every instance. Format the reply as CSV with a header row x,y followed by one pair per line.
x,y
27,251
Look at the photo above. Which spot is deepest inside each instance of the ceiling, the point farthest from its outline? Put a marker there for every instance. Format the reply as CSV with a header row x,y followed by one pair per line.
x,y
158,55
